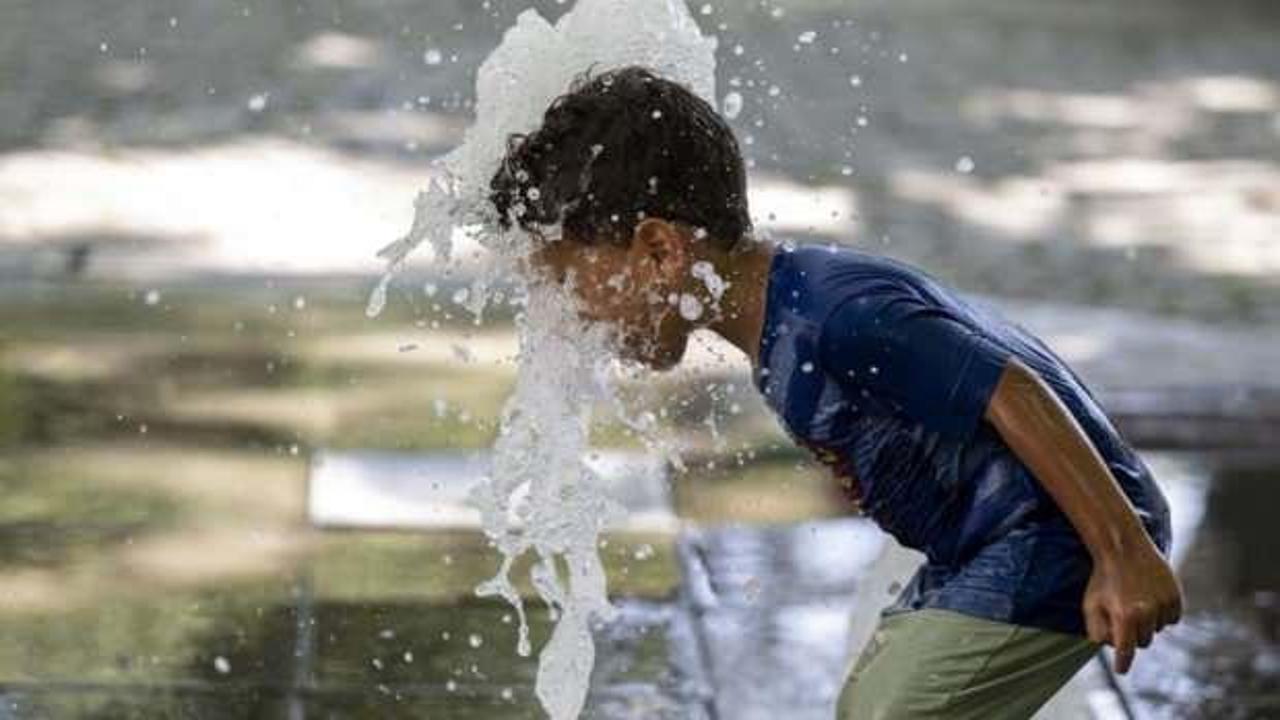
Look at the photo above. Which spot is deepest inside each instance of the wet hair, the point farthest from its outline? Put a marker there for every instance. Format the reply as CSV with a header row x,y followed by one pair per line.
x,y
619,147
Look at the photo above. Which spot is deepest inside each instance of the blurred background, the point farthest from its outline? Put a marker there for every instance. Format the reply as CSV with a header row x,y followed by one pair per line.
x,y
228,493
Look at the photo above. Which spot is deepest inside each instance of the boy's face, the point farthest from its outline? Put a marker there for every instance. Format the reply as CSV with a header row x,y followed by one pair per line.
x,y
629,289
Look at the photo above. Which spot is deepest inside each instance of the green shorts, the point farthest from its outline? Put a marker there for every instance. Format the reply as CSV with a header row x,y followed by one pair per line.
x,y
942,664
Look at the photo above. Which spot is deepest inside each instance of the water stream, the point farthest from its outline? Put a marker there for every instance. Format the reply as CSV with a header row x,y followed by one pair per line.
x,y
539,496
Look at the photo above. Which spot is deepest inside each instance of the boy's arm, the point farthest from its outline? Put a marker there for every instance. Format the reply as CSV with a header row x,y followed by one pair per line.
x,y
1132,592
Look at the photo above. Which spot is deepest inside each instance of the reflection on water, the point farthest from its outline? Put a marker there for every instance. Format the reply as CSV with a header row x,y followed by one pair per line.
x,y
1223,660
383,625
331,659
772,608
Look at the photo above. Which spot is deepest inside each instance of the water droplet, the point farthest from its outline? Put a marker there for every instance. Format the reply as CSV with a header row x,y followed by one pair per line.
x,y
222,665
475,640
806,367
258,102
964,165
807,37
378,298
432,57
690,307
732,104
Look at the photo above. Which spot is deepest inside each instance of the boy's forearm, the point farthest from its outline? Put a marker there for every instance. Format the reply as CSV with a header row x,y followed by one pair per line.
x,y
1045,436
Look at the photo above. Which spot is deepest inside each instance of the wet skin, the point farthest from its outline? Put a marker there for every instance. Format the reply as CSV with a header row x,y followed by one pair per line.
x,y
629,288
634,285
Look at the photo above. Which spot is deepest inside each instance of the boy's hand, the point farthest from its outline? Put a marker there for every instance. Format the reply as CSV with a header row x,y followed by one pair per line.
x,y
1129,599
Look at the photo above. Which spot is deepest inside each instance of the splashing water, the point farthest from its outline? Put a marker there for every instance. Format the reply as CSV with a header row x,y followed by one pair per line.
x,y
539,496
533,65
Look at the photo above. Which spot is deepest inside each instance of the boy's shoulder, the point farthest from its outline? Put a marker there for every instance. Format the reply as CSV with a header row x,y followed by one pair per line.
x,y
811,281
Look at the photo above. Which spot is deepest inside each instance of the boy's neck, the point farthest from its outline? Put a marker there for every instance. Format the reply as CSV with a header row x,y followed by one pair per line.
x,y
742,306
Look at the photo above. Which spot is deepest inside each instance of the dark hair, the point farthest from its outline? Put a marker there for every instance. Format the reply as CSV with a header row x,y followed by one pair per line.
x,y
619,147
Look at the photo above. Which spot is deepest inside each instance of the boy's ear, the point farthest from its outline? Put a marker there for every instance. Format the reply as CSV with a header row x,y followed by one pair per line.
x,y
659,242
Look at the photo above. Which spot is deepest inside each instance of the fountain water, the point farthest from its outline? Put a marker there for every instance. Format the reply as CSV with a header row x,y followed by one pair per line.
x,y
538,495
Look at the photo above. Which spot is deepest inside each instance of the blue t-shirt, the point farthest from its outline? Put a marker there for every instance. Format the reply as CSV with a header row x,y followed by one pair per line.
x,y
885,376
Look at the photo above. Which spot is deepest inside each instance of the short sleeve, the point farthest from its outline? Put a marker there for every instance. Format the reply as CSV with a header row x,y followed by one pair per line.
x,y
922,360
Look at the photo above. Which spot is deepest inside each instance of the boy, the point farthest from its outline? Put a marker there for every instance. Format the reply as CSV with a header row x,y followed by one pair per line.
x,y
958,433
